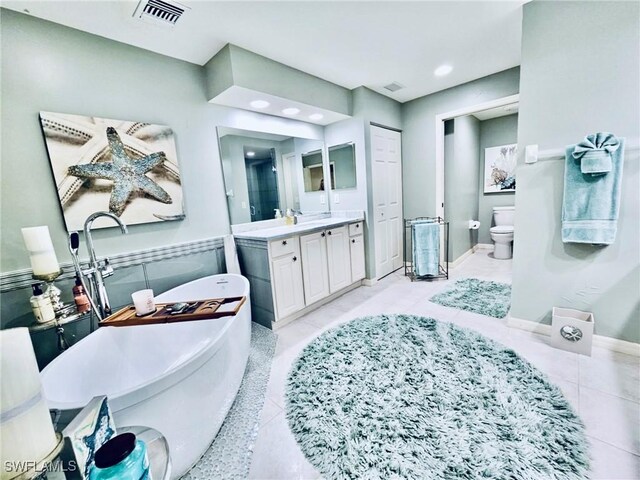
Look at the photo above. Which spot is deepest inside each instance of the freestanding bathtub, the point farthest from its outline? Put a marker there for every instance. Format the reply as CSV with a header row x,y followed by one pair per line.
x,y
179,378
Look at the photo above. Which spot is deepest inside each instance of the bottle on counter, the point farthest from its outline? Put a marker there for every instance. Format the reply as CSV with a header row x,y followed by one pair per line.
x,y
41,305
80,297
123,457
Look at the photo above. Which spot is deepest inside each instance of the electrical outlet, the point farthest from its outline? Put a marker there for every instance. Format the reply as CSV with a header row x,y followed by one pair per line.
x,y
244,204
336,198
323,199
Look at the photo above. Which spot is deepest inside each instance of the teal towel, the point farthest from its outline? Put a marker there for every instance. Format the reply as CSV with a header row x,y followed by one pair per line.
x,y
595,153
426,248
591,202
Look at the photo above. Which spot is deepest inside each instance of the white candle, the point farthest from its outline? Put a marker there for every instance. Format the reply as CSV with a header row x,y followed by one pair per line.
x,y
26,430
41,253
143,301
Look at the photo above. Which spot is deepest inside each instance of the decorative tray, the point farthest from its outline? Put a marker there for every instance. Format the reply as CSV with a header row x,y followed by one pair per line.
x,y
196,310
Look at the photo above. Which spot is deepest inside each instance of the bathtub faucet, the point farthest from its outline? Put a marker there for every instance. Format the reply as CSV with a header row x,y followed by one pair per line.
x,y
99,269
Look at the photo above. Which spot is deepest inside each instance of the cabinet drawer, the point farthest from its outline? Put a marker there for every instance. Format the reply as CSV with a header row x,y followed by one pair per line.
x,y
284,246
355,229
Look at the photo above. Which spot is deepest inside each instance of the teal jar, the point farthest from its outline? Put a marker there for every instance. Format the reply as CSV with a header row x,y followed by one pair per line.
x,y
122,458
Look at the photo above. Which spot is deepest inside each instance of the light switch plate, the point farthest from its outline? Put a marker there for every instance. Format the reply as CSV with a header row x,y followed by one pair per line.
x,y
336,198
323,199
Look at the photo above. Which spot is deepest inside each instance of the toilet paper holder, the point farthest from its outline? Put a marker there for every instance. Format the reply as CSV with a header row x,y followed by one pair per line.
x,y
474,224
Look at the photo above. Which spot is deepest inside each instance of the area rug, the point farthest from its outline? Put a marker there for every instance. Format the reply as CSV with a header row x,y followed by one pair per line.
x,y
229,456
400,396
478,296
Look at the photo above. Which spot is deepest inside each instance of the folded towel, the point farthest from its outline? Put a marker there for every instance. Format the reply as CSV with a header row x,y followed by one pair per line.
x,y
595,152
591,202
426,248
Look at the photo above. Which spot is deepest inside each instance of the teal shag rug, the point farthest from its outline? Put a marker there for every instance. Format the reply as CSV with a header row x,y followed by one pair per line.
x,y
478,296
405,397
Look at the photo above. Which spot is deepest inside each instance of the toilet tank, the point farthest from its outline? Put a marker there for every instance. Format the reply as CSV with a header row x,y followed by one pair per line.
x,y
503,215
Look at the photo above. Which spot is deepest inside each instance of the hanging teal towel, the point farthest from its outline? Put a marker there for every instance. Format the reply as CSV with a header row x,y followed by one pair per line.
x,y
595,153
592,200
426,248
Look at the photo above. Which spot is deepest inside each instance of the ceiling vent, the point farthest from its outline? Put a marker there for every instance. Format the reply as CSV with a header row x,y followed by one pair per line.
x,y
393,87
159,12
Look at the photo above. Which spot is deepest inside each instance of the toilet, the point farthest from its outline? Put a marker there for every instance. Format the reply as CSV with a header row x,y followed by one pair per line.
x,y
502,233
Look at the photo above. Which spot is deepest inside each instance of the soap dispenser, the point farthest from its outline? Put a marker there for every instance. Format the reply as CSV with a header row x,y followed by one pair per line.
x,y
289,220
41,305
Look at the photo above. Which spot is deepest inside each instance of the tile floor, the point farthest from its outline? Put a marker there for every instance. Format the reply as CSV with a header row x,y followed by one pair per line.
x,y
603,388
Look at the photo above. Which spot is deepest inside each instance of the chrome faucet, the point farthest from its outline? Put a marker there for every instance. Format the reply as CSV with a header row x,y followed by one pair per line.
x,y
99,270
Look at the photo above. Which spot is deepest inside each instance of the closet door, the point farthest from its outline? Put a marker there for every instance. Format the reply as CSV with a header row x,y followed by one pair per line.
x,y
315,270
387,199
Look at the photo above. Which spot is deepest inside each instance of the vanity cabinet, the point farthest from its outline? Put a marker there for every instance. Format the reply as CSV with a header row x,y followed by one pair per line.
x,y
338,254
315,271
293,275
286,270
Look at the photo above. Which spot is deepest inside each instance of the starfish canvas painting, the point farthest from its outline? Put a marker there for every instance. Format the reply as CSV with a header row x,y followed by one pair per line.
x,y
127,168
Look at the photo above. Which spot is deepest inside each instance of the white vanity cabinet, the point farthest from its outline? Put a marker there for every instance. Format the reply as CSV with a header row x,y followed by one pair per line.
x,y
356,250
339,258
286,270
293,275
315,271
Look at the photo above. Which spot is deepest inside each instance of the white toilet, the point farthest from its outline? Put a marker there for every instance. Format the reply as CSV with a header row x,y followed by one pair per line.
x,y
502,233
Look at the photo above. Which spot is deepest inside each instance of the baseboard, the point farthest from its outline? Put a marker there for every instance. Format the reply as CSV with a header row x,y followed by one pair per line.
x,y
461,258
483,246
613,344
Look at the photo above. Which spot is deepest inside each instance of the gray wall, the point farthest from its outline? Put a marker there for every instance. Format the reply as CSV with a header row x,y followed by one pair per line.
x,y
418,139
493,132
577,81
49,67
461,182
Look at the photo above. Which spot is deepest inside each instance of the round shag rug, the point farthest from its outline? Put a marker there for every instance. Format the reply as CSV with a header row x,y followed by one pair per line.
x,y
399,396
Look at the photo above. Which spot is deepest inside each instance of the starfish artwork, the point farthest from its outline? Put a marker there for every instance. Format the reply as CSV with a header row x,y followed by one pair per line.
x,y
129,168
127,174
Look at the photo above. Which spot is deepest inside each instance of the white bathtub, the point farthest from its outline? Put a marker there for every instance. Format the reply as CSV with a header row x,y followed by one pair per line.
x,y
178,378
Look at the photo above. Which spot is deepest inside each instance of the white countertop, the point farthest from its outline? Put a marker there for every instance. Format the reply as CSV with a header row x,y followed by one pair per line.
x,y
283,231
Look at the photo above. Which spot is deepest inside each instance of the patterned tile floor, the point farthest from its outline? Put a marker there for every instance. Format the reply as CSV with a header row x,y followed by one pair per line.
x,y
603,388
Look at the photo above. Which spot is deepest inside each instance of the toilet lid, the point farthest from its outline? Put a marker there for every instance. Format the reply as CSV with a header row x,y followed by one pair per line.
x,y
502,229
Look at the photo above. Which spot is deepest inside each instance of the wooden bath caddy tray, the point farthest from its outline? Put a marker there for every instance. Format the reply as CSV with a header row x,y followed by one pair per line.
x,y
200,310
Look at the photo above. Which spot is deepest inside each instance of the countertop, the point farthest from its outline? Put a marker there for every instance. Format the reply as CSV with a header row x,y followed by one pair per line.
x,y
284,231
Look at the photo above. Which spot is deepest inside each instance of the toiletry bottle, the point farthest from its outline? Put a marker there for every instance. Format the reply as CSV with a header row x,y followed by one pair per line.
x,y
278,213
41,305
80,297
123,457
289,217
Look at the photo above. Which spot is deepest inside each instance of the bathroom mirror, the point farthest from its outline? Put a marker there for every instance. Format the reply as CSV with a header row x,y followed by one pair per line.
x,y
267,171
342,164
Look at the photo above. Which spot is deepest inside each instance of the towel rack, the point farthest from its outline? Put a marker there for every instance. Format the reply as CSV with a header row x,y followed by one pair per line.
x,y
532,155
443,265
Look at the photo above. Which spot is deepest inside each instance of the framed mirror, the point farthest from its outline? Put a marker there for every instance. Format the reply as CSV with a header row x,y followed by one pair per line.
x,y
342,165
265,172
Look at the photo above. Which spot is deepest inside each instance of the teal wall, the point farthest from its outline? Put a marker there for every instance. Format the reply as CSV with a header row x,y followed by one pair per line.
x,y
493,133
49,67
461,182
580,74
418,139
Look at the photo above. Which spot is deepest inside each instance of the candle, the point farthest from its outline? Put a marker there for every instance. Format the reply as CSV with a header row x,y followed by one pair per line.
x,y
144,302
26,430
41,253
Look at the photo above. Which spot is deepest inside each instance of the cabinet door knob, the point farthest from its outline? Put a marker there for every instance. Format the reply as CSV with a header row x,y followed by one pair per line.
x,y
357,225
353,240
295,259
329,232
322,234
284,242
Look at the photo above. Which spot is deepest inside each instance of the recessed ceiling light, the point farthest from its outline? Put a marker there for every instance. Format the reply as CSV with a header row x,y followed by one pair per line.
x,y
316,116
442,70
251,154
291,111
260,104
